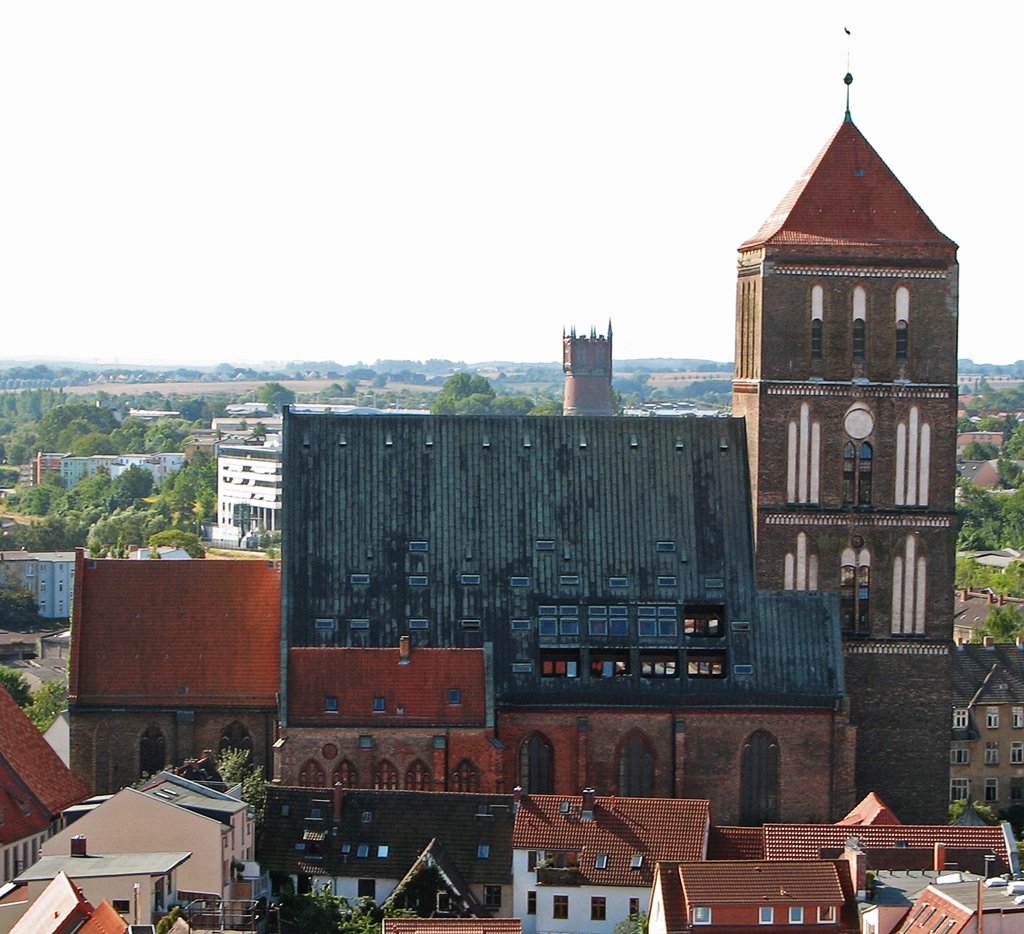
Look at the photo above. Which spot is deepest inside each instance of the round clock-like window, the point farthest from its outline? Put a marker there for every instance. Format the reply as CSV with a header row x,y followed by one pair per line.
x,y
859,422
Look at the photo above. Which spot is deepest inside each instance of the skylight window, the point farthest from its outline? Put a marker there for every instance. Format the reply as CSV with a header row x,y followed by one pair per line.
x,y
363,850
483,851
418,546
601,861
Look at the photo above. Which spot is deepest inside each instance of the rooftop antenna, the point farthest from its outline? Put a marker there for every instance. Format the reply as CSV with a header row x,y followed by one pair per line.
x,y
848,80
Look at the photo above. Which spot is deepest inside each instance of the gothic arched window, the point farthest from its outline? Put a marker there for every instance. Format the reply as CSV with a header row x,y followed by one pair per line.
x,y
152,751
817,313
345,774
535,765
902,321
759,779
857,469
236,736
855,591
860,308
311,775
465,776
417,776
636,767
385,776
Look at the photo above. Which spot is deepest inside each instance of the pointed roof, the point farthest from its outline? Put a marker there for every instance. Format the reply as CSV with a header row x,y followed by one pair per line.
x,y
871,811
849,197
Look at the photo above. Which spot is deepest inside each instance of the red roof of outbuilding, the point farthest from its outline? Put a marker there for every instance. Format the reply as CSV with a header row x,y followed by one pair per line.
x,y
201,633
35,786
871,811
415,692
655,828
849,197
761,882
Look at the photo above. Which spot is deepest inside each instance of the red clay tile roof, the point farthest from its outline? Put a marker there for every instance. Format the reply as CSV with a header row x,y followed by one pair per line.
x,y
196,633
655,828
806,841
761,882
35,786
937,908
849,197
416,693
736,843
872,810
104,920
453,926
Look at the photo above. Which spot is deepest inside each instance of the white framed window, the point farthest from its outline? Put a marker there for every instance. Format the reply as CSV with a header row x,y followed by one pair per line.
x,y
796,914
959,718
766,915
959,789
992,752
992,718
701,915
1018,718
959,754
1016,753
826,914
991,790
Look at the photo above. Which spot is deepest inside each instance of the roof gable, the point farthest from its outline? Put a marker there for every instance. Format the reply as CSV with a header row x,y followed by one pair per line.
x,y
30,770
620,828
871,810
378,686
176,632
849,196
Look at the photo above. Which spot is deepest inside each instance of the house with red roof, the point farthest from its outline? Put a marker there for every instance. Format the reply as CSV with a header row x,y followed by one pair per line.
x,y
59,909
587,862
35,787
956,903
170,659
764,895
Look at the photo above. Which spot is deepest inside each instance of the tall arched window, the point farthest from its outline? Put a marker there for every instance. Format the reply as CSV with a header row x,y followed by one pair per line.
x,y
385,776
855,591
902,322
857,465
803,457
817,315
312,775
913,459
636,767
801,567
909,588
535,765
860,310
465,776
759,779
152,751
417,776
345,774
236,736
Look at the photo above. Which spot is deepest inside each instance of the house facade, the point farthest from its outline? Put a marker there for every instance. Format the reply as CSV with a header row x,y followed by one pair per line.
x,y
48,575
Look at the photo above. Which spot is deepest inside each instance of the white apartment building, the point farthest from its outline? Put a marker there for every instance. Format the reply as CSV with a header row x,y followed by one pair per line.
x,y
248,490
49,575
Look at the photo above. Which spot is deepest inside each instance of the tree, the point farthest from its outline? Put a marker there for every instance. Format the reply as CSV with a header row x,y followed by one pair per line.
x,y
458,387
957,808
275,394
15,684
235,768
634,923
980,451
18,609
1003,623
178,538
47,703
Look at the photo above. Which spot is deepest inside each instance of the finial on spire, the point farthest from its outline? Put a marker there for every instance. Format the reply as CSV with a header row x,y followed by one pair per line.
x,y
848,80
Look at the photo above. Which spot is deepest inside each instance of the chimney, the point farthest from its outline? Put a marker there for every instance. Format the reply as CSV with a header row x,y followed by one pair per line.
x,y
989,642
988,597
1001,600
589,796
1019,642
858,863
517,796
404,650
963,595
78,845
939,857
339,797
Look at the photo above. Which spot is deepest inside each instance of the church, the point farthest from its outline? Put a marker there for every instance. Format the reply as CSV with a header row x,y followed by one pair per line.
x,y
752,610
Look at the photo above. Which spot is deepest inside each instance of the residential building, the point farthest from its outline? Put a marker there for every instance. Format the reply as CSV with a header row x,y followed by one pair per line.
x,y
963,438
35,788
141,886
364,843
957,903
172,813
248,490
846,352
196,650
986,749
60,908
587,862
48,575
762,895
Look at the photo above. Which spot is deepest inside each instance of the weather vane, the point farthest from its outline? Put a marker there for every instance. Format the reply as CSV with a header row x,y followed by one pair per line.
x,y
848,80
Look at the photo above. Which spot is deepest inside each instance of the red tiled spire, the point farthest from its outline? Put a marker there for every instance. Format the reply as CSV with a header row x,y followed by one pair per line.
x,y
849,197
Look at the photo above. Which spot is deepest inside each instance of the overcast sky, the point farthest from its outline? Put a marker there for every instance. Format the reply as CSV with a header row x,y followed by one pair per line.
x,y
245,181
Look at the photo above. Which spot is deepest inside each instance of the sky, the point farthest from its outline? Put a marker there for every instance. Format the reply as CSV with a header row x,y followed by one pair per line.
x,y
206,182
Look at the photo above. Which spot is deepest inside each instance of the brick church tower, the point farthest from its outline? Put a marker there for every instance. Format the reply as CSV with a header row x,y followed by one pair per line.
x,y
587,362
846,349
